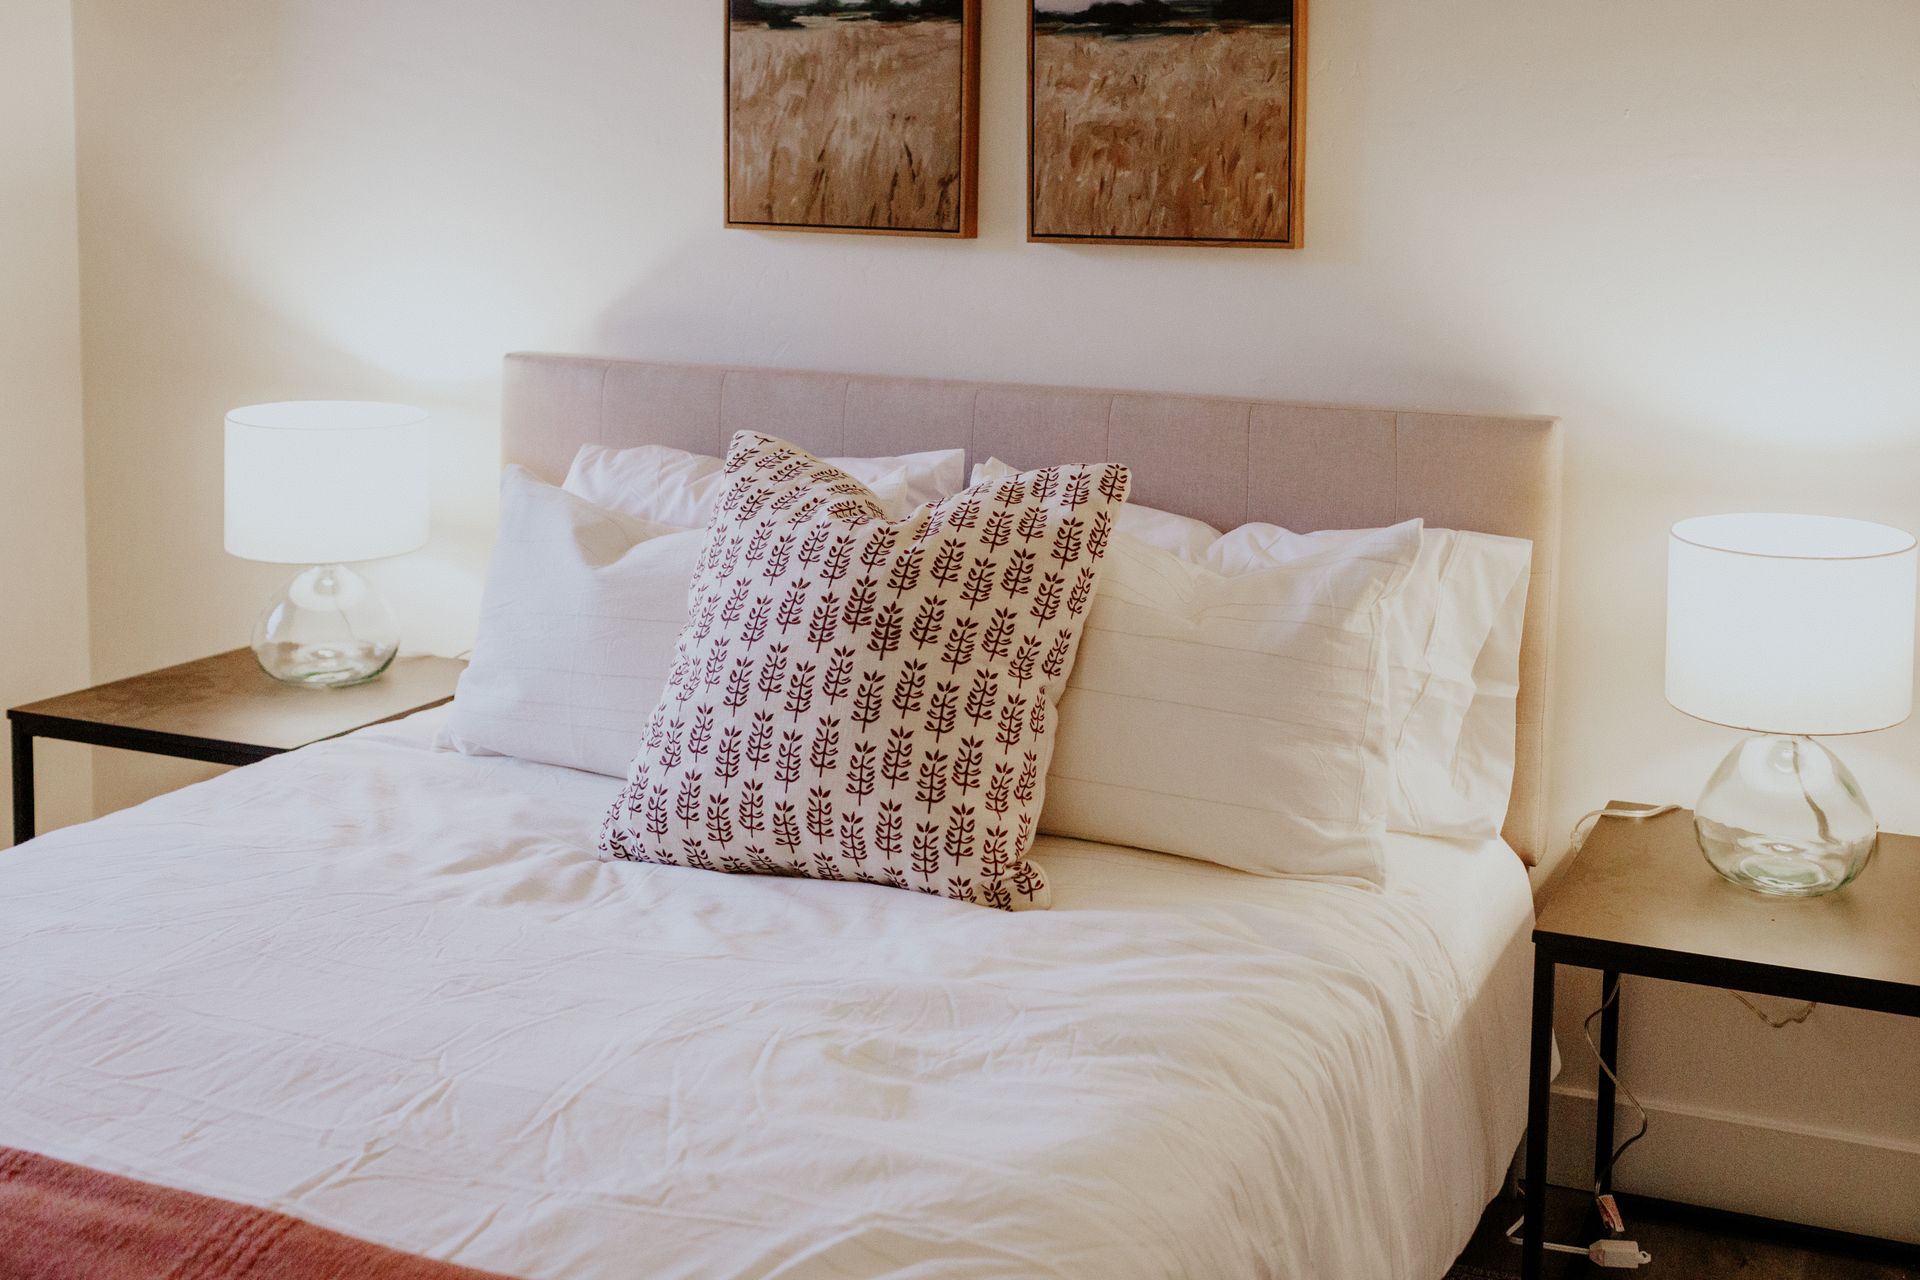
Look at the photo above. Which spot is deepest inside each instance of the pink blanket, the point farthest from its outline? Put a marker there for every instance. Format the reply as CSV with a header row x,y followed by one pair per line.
x,y
61,1221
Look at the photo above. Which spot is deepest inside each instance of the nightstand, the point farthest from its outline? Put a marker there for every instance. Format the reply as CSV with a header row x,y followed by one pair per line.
x,y
1639,898
223,710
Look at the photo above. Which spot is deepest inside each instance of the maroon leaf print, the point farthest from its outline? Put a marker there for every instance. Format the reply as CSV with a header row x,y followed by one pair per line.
x,y
820,813
926,621
726,757
686,805
800,690
825,752
909,686
867,698
839,561
860,770
982,695
786,764
943,709
757,619
998,637
825,624
948,562
1055,663
932,788
786,827
960,642
833,686
905,572
999,788
860,601
1018,575
884,638
896,765
773,670
926,849
1013,722
1082,592
967,761
719,821
997,532
1046,598
793,606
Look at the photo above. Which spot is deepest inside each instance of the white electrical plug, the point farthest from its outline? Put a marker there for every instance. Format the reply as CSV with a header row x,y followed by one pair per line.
x,y
1619,1253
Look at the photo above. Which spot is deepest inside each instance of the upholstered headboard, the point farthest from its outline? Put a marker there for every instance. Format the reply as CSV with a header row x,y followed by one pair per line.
x,y
1220,460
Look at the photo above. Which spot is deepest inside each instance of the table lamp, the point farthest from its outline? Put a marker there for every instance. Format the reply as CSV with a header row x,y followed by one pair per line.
x,y
1791,627
320,483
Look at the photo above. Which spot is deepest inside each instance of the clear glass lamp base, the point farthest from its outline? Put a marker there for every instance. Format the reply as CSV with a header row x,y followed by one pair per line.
x,y
1783,815
327,628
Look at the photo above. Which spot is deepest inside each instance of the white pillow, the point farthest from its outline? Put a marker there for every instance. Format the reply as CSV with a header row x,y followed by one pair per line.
x,y
678,488
1238,719
1453,654
1184,536
1453,666
577,627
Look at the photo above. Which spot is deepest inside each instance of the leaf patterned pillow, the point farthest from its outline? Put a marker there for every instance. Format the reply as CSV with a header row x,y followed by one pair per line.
x,y
855,698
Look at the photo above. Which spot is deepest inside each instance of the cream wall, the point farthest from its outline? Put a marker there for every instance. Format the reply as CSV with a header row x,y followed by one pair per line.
x,y
1685,229
43,567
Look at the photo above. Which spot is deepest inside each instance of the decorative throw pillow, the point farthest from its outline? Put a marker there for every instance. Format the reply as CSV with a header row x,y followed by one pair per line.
x,y
862,699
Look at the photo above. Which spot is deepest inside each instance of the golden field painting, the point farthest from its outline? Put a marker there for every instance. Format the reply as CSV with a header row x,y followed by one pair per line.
x,y
852,116
1165,120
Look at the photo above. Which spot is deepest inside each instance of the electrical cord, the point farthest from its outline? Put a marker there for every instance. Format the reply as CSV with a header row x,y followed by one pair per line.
x,y
1586,1030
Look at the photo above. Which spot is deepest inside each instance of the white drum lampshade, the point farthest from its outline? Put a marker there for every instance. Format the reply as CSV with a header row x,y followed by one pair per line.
x,y
1789,626
321,483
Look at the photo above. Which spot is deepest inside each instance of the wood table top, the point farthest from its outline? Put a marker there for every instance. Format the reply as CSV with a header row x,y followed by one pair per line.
x,y
1645,883
227,698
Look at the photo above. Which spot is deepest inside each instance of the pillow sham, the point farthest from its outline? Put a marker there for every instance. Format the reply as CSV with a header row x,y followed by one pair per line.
x,y
1453,655
1453,666
857,698
578,621
1237,719
678,488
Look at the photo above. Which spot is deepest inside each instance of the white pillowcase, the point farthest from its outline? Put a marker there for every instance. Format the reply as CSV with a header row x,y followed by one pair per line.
x,y
1239,719
1184,536
578,622
678,488
1453,666
1453,654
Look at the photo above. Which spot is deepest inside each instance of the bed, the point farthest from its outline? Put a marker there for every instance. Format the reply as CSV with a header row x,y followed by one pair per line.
x,y
391,990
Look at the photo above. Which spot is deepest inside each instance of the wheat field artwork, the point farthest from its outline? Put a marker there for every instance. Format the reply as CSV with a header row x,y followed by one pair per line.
x,y
852,115
1165,121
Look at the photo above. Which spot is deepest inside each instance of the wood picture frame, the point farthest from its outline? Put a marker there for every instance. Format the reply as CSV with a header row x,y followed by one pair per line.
x,y
827,171
1212,189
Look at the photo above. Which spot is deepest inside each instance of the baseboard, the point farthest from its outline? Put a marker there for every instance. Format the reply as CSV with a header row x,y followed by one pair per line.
x,y
1840,1181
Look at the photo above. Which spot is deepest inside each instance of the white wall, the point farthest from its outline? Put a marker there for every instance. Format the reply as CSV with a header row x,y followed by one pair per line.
x,y
43,568
1687,229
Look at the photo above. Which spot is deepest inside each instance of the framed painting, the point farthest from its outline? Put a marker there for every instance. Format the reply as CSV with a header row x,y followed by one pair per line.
x,y
853,115
1165,121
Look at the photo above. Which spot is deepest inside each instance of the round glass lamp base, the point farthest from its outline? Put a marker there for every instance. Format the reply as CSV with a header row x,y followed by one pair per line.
x,y
1782,815
328,628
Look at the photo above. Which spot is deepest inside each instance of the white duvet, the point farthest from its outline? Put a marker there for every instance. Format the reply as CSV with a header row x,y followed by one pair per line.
x,y
392,991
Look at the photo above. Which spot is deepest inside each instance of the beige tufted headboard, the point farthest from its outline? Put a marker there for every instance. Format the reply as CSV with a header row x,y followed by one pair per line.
x,y
1223,461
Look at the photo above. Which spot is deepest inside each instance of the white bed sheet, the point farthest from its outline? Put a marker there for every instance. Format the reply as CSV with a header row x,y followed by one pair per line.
x,y
391,990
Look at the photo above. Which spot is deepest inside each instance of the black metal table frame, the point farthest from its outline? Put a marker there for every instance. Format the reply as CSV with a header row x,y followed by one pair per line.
x,y
1613,960
28,725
